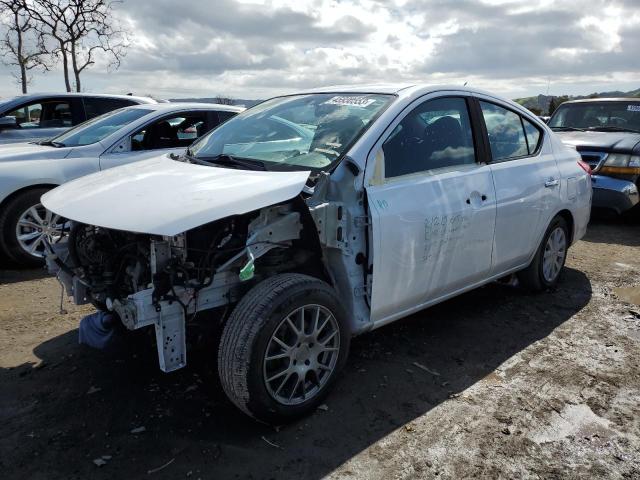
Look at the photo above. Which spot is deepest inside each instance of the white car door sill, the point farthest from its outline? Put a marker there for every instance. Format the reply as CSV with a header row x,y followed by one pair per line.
x,y
391,318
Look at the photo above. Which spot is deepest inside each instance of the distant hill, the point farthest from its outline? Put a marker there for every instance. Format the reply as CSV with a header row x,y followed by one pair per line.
x,y
540,103
236,101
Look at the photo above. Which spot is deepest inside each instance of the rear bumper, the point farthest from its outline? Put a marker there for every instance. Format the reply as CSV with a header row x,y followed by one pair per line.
x,y
615,194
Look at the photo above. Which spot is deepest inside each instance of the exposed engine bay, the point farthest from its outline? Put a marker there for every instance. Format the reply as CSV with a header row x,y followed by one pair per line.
x,y
188,282
148,279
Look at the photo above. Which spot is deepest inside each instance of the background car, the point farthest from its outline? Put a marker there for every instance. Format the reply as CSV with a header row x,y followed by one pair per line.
x,y
42,116
383,200
606,133
27,170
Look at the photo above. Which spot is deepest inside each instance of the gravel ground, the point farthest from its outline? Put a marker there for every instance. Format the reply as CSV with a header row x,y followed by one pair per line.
x,y
495,383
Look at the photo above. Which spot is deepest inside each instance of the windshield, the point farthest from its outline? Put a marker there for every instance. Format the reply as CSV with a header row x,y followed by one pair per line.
x,y
299,132
99,128
598,116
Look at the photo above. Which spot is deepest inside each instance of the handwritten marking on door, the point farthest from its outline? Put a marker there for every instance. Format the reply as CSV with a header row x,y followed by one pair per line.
x,y
441,234
382,204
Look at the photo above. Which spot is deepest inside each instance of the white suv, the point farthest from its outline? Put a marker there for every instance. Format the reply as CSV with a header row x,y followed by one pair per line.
x,y
314,217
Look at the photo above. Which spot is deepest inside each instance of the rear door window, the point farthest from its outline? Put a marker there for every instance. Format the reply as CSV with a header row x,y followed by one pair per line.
x,y
224,116
97,106
506,132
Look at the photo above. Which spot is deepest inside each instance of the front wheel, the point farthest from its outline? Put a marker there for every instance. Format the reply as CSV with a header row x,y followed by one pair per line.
x,y
282,347
25,225
546,267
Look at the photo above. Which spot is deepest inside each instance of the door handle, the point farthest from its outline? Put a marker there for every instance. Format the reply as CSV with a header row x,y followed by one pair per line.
x,y
483,197
552,182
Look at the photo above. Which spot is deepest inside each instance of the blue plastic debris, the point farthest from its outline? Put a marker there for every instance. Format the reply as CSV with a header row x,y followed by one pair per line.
x,y
98,330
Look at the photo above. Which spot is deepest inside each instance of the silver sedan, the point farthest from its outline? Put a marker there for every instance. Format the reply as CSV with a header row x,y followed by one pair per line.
x,y
28,170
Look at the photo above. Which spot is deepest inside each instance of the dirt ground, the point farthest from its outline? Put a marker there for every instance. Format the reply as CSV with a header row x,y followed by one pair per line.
x,y
515,386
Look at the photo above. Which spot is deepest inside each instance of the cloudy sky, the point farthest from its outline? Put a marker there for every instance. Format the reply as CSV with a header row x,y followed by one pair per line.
x,y
260,48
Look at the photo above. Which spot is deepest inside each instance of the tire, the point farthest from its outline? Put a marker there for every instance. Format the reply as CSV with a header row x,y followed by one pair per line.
x,y
534,277
9,217
247,340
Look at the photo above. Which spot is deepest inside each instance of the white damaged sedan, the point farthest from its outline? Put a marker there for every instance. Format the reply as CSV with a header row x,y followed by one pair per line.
x,y
314,217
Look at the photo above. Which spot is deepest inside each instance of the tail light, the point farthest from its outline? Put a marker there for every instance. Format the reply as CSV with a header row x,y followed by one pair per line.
x,y
585,166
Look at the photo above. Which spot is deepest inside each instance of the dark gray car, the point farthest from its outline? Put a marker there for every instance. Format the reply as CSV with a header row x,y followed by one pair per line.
x,y
606,133
28,118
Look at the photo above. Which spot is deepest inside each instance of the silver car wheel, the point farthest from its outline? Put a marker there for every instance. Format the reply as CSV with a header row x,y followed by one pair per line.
x,y
34,226
301,354
555,251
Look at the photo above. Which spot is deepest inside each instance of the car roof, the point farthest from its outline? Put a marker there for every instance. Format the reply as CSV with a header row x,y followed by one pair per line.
x,y
400,89
383,88
36,96
174,106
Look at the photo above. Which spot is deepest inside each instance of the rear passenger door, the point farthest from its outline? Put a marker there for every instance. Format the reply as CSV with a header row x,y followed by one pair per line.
x,y
526,179
432,207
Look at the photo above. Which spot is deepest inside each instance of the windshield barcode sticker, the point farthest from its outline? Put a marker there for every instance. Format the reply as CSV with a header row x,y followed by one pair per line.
x,y
350,101
633,108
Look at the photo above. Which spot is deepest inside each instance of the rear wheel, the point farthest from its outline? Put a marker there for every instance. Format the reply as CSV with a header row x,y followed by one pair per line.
x,y
282,347
546,267
24,226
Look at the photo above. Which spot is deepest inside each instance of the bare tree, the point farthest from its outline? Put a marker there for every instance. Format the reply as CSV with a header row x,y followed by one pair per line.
x,y
80,29
21,45
220,100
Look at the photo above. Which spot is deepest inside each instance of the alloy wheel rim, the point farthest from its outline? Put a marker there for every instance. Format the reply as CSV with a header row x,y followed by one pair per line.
x,y
35,225
555,251
301,354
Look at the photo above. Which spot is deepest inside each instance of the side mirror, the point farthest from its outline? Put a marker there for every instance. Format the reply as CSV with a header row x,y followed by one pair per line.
x,y
8,122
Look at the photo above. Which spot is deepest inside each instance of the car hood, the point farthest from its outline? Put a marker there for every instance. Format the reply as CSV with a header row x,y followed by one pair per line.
x,y
161,196
30,151
606,141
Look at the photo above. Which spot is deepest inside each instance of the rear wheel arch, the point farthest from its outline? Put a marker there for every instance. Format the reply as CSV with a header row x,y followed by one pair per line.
x,y
568,217
533,277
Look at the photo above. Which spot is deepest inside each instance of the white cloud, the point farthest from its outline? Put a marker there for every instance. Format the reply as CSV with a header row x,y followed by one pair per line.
x,y
259,48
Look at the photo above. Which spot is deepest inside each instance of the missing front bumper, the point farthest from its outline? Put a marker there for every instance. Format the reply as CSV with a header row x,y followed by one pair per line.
x,y
139,310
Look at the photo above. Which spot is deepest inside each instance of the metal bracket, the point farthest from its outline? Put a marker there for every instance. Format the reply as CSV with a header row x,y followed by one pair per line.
x,y
361,222
160,255
273,227
330,219
171,340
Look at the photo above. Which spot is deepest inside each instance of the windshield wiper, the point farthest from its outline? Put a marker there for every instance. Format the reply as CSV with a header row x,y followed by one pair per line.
x,y
568,129
224,159
51,143
613,128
